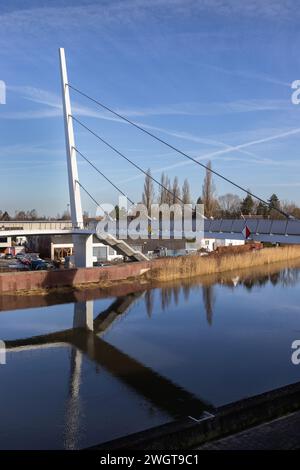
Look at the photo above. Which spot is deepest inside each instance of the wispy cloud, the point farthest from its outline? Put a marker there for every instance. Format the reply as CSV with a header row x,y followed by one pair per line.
x,y
237,148
249,75
95,14
23,149
243,146
53,108
63,21
210,109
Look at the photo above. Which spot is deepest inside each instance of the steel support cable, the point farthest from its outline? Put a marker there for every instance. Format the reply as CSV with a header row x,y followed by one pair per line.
x,y
103,175
125,158
93,199
142,129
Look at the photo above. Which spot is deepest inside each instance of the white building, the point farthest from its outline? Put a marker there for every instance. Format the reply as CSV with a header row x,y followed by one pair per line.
x,y
8,246
5,243
101,252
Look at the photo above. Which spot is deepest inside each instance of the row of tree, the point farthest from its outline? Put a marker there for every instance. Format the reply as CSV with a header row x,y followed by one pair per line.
x,y
31,215
228,205
169,192
34,215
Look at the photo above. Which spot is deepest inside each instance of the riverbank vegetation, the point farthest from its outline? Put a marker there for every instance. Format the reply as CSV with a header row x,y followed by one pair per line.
x,y
195,265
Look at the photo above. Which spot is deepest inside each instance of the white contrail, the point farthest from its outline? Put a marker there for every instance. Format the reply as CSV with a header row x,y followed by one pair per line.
x,y
233,148
228,149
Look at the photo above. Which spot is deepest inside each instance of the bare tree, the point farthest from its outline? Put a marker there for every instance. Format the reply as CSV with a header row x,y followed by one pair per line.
x,y
169,195
162,197
176,191
165,192
20,215
65,215
28,215
32,215
229,204
208,193
186,193
291,208
148,194
5,216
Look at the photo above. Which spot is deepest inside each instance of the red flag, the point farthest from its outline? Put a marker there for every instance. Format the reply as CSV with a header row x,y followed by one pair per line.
x,y
246,232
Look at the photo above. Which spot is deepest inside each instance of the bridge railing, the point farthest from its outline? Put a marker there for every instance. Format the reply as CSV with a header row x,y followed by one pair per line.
x,y
35,225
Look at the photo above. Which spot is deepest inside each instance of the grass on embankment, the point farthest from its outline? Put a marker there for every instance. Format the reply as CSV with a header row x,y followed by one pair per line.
x,y
195,265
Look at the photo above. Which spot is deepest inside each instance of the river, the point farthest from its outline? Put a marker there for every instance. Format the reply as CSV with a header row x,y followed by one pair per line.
x,y
146,359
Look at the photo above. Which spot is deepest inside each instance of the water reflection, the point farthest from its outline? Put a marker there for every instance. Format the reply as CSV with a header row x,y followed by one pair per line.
x,y
85,340
149,302
257,278
73,405
173,294
210,346
208,300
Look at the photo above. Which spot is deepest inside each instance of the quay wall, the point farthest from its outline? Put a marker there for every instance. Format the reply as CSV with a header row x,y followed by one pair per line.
x,y
158,270
37,280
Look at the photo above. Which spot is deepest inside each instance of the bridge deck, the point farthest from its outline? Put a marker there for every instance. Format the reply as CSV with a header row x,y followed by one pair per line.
x,y
264,230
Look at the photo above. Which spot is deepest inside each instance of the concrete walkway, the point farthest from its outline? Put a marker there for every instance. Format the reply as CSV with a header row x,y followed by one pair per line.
x,y
280,434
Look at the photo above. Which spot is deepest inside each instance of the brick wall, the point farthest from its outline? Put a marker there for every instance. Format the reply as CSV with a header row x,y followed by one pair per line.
x,y
33,280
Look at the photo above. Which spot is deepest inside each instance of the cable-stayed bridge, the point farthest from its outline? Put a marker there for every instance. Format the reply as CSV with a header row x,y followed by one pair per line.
x,y
274,231
263,230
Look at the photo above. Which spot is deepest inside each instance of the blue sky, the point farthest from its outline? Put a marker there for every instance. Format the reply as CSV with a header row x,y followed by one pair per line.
x,y
206,75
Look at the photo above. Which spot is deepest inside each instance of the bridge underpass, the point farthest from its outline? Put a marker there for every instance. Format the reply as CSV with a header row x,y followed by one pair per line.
x,y
82,238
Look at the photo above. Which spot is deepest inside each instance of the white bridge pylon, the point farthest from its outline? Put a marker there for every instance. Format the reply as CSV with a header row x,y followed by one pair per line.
x,y
74,188
83,243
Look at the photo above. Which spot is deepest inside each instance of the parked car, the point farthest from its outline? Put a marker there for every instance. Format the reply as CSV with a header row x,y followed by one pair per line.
x,y
20,256
8,256
40,264
26,260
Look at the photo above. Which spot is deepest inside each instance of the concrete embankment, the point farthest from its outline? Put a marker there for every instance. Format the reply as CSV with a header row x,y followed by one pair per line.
x,y
147,272
192,432
18,282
